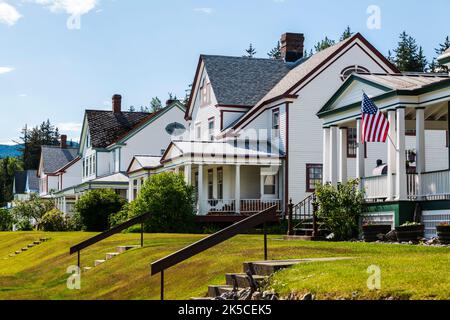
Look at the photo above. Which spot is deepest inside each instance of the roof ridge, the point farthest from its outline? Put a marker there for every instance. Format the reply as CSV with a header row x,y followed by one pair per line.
x,y
241,57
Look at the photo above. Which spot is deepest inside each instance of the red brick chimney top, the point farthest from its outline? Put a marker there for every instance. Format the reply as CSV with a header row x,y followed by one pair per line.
x,y
117,103
292,46
63,143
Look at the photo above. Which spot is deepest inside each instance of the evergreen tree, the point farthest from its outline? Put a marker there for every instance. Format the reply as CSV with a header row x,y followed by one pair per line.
x,y
251,52
275,53
324,44
187,94
45,134
8,167
421,61
435,66
408,55
155,104
347,34
131,109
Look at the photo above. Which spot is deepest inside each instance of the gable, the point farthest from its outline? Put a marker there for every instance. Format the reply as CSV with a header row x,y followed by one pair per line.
x,y
358,51
351,92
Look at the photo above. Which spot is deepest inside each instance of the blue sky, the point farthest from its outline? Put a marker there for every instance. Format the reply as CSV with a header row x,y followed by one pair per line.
x,y
142,48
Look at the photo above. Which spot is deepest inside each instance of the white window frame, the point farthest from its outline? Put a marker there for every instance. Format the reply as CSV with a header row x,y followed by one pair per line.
x,y
276,124
211,130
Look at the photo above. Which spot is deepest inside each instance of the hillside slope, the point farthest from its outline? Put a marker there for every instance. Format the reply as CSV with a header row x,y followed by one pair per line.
x,y
415,272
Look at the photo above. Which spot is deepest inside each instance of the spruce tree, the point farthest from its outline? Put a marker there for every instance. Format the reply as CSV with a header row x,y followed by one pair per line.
x,y
251,52
275,53
435,66
324,44
155,104
408,55
421,61
347,34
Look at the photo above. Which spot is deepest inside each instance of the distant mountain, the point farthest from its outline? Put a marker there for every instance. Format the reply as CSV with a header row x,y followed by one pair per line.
x,y
10,151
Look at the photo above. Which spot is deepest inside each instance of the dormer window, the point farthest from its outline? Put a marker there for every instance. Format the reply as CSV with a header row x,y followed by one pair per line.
x,y
198,131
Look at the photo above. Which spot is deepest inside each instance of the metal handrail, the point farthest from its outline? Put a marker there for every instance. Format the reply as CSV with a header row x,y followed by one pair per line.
x,y
198,247
102,236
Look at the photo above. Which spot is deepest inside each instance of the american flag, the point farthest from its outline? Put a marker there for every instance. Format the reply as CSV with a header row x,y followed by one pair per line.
x,y
375,126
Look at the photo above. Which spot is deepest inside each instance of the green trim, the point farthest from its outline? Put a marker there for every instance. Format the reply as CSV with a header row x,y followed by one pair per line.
x,y
408,93
353,78
403,210
444,60
357,104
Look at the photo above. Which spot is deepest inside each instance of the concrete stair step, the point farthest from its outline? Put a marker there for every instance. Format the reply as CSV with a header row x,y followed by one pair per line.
x,y
99,262
216,291
123,249
24,249
31,245
37,242
18,252
267,268
111,255
44,239
242,280
202,299
87,269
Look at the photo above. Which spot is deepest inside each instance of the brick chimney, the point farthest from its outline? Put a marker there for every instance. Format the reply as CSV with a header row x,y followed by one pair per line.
x,y
117,103
292,46
63,143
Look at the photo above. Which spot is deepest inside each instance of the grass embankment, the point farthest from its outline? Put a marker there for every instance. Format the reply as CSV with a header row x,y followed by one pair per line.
x,y
40,273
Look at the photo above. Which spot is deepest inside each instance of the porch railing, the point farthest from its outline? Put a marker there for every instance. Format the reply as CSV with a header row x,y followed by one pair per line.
x,y
436,185
375,187
249,206
246,206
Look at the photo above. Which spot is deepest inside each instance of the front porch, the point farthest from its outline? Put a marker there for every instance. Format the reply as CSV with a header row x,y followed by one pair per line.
x,y
229,183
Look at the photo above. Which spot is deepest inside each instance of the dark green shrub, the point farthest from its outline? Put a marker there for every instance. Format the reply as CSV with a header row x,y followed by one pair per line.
x,y
171,202
120,217
74,223
6,220
340,208
53,221
96,206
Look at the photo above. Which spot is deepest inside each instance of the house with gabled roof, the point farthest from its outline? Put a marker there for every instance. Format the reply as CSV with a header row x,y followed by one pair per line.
x,y
52,159
109,141
242,110
25,184
414,182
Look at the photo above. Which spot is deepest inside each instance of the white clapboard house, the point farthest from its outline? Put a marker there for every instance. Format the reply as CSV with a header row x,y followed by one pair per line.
x,y
413,174
109,141
254,139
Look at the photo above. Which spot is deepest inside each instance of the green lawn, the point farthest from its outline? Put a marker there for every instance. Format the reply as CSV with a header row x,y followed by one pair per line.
x,y
407,271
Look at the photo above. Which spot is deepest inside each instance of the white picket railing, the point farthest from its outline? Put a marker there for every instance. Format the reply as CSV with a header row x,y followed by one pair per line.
x,y
227,206
257,205
375,187
435,185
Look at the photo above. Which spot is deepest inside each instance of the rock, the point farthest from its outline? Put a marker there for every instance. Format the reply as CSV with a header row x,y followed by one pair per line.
x,y
256,296
269,295
245,294
308,297
381,237
331,236
391,236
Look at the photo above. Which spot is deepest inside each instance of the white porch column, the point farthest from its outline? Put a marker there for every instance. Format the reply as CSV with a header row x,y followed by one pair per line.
x,y
420,147
188,174
360,152
391,156
237,189
400,177
130,190
326,151
200,189
333,155
343,155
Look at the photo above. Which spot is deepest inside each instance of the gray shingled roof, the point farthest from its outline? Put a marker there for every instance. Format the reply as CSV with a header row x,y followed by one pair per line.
x,y
54,157
33,180
241,80
106,127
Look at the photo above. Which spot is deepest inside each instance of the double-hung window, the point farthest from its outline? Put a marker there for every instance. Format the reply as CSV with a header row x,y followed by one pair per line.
x,y
220,183
276,123
269,185
314,174
211,126
210,184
